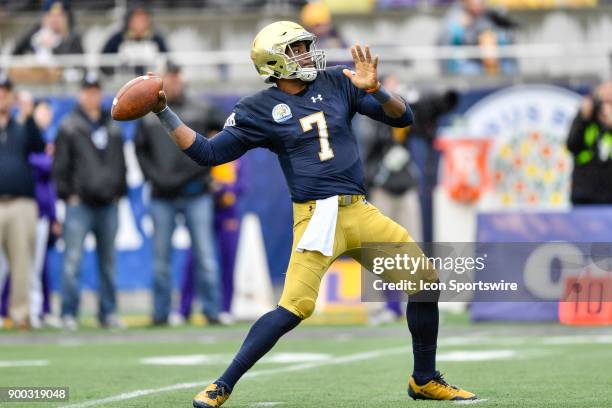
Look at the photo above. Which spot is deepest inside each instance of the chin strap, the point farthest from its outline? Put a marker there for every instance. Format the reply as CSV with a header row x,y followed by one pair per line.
x,y
311,75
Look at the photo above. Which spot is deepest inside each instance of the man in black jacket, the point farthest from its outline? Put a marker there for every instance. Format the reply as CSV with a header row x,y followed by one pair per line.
x,y
19,136
180,186
89,172
590,142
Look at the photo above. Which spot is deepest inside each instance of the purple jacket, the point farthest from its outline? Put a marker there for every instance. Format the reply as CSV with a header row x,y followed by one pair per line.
x,y
44,190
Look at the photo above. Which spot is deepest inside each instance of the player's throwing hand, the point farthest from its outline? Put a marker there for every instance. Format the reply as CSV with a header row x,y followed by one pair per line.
x,y
161,95
365,75
161,104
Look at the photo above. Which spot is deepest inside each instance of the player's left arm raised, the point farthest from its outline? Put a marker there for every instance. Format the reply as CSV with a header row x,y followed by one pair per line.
x,y
365,77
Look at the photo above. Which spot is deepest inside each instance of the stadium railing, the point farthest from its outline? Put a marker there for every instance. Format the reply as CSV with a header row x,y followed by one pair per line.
x,y
215,69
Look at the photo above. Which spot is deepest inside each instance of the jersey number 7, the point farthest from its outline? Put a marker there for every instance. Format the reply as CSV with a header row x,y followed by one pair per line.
x,y
326,152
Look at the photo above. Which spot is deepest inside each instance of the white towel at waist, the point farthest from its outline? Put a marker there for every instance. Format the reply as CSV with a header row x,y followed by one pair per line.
x,y
321,229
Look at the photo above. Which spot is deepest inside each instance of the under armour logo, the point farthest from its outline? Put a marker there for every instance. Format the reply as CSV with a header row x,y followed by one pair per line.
x,y
231,120
316,98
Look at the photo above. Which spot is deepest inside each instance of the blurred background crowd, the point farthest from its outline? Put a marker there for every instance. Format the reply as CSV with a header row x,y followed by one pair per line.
x,y
513,109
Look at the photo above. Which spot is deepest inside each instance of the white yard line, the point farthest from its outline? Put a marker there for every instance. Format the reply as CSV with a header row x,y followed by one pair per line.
x,y
470,402
449,341
351,358
587,339
477,355
23,363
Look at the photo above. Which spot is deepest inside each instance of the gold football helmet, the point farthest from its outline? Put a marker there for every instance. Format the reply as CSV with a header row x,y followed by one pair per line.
x,y
273,58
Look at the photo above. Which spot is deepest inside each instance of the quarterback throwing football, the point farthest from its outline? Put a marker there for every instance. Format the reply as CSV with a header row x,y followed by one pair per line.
x,y
305,118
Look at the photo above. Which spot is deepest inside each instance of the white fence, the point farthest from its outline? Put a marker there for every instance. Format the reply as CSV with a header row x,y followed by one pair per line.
x,y
218,68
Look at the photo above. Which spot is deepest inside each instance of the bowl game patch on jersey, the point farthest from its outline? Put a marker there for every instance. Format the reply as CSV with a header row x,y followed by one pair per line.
x,y
281,113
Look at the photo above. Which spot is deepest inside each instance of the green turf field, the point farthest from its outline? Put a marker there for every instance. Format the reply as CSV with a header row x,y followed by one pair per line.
x,y
510,366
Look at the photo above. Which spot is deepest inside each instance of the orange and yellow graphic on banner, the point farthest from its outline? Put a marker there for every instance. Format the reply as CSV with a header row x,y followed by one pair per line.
x,y
530,170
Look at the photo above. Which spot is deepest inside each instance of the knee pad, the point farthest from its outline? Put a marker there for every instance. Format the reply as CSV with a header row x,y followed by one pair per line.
x,y
306,307
303,307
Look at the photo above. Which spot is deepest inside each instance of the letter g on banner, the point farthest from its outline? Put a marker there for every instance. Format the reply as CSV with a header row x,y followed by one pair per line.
x,y
538,273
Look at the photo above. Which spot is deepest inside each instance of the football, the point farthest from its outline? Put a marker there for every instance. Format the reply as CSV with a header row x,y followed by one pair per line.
x,y
136,98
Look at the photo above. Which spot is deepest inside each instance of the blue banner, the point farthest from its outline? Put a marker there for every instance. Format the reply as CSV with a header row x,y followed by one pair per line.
x,y
574,232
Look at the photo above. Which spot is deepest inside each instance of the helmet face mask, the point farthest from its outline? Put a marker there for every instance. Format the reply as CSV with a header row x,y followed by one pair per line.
x,y
274,57
314,55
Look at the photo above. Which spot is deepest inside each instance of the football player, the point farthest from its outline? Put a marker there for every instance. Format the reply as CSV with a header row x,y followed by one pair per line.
x,y
305,118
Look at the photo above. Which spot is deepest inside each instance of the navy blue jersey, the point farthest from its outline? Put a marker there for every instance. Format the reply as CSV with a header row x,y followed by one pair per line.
x,y
310,132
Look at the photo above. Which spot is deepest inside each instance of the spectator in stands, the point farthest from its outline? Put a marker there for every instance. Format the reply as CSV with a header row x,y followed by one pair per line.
x,y
8,7
136,41
590,142
54,35
180,186
392,180
317,19
90,176
48,229
19,137
429,109
391,174
470,22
